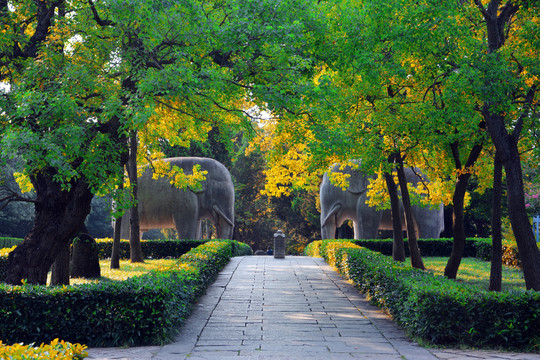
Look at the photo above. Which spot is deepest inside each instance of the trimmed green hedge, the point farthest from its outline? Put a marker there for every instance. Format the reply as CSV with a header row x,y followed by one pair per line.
x,y
151,249
142,310
7,242
436,309
474,247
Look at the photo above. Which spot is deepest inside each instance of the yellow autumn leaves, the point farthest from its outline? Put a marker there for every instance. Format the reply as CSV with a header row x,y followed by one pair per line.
x,y
57,349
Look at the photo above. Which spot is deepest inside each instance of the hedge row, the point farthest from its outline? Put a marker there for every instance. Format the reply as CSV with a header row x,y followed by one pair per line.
x,y
7,242
474,247
151,249
436,309
142,310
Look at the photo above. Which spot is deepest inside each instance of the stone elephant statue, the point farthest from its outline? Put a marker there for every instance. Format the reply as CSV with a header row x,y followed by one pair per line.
x,y
162,205
338,206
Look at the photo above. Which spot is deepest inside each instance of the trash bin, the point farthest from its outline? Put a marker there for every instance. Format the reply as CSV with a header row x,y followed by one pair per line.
x,y
279,245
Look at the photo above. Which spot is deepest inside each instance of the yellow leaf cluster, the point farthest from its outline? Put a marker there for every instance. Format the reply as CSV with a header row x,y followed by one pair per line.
x,y
178,177
4,252
57,349
377,192
290,171
339,179
23,181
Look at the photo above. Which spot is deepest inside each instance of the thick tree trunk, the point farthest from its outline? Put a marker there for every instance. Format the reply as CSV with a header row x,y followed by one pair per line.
x,y
416,258
60,214
495,276
135,249
398,246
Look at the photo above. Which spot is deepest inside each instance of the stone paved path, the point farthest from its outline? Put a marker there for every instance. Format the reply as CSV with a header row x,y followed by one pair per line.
x,y
292,308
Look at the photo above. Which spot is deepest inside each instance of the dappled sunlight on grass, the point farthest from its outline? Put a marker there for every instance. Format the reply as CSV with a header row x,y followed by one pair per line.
x,y
476,272
127,270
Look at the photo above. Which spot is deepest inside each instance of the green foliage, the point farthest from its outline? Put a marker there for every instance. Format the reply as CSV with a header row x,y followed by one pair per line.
x,y
142,310
255,219
152,249
439,310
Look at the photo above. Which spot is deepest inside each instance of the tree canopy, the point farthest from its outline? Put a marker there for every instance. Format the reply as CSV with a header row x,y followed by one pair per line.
x,y
439,85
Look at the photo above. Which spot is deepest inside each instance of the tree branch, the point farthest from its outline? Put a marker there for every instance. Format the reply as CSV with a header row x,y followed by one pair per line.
x,y
97,18
11,196
482,9
519,124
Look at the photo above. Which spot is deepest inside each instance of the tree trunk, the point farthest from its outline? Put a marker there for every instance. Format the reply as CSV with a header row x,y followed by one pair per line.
x,y
458,226
60,268
135,250
60,214
506,145
528,251
115,254
495,276
416,258
398,246
458,217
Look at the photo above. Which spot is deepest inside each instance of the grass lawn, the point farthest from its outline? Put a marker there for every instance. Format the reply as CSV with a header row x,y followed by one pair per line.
x,y
476,272
127,270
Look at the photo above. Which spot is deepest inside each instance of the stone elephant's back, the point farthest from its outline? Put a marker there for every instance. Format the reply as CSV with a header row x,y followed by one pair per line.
x,y
159,200
217,172
217,189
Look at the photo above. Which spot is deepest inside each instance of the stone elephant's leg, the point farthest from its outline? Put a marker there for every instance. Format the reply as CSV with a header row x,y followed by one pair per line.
x,y
367,222
186,217
429,222
187,228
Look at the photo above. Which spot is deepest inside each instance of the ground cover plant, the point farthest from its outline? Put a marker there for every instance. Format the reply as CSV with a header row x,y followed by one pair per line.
x,y
435,309
127,270
142,310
